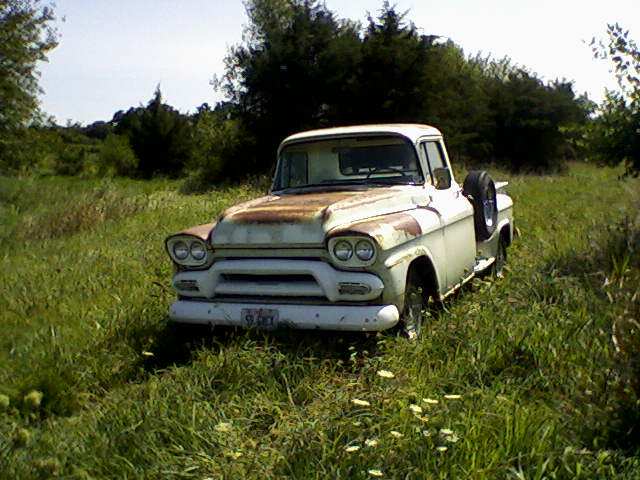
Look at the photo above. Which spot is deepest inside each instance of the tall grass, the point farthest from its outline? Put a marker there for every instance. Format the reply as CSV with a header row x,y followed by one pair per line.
x,y
534,375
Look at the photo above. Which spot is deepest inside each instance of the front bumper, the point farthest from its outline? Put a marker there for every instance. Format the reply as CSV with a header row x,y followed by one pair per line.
x,y
264,278
365,318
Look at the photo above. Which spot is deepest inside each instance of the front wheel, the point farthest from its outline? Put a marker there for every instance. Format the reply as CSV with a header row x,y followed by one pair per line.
x,y
415,303
501,259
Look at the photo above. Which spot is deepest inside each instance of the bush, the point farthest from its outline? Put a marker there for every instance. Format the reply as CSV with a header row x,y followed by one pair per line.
x,y
528,131
160,136
24,150
613,136
70,160
117,157
220,152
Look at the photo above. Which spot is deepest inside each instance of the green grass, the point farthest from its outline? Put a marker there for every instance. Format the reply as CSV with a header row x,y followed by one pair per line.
x,y
545,392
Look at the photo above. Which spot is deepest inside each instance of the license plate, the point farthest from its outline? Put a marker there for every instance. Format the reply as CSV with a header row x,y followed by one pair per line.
x,y
259,317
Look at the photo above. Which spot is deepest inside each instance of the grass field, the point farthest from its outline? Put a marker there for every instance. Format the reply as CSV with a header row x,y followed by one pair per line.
x,y
532,376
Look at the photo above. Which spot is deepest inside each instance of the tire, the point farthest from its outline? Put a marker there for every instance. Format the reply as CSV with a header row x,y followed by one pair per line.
x,y
415,302
481,192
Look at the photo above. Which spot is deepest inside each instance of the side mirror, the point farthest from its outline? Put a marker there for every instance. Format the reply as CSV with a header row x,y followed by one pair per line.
x,y
442,178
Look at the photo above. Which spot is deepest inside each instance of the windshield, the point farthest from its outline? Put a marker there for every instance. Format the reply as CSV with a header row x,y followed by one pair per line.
x,y
359,160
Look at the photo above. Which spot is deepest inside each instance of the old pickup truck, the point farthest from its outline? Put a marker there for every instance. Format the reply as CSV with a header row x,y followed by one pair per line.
x,y
363,227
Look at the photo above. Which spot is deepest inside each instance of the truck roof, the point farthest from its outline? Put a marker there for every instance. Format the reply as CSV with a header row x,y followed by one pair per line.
x,y
413,131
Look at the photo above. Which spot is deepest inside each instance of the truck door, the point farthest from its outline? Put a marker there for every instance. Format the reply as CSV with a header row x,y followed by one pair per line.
x,y
456,214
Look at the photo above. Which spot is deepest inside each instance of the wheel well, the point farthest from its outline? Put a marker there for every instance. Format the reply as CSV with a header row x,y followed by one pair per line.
x,y
427,273
505,235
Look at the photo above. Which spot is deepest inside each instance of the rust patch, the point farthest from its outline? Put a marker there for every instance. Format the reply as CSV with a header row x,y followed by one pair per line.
x,y
287,208
200,231
374,227
406,223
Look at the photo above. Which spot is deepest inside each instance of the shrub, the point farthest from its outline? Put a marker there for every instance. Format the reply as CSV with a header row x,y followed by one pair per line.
x,y
220,153
117,157
70,160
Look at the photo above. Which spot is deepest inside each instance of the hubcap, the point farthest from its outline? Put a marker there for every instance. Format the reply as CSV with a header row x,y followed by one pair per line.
x,y
413,313
488,207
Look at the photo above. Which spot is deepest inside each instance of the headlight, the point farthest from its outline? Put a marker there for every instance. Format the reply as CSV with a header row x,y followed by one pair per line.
x,y
343,250
188,251
198,250
364,250
180,250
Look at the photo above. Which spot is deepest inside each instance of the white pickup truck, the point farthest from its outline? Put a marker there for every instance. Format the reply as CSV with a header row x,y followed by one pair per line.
x,y
363,226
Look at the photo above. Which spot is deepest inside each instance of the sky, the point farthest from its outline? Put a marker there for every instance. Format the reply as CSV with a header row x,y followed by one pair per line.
x,y
113,53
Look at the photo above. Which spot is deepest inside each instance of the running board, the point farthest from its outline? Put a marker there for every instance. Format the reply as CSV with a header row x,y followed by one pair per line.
x,y
483,263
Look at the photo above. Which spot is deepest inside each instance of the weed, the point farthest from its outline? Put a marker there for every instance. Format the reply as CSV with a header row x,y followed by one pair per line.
x,y
531,376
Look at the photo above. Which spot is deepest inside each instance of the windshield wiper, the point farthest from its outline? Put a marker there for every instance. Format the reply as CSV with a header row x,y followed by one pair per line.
x,y
393,181
384,181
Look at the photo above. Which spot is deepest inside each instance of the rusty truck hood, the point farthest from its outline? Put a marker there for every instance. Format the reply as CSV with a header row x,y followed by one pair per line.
x,y
304,219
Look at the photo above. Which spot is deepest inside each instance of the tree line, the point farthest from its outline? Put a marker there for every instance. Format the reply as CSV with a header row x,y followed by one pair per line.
x,y
301,67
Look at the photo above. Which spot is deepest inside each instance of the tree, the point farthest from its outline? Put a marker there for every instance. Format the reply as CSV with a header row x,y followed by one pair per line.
x,y
297,64
161,137
528,119
26,37
301,67
391,72
615,135
117,157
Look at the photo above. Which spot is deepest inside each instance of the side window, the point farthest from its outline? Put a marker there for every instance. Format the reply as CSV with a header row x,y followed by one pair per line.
x,y
295,169
435,159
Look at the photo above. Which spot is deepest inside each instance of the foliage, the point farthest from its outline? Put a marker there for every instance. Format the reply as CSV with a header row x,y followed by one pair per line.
x,y
391,70
23,149
98,130
303,68
117,157
295,67
160,136
219,143
541,383
615,134
26,36
527,119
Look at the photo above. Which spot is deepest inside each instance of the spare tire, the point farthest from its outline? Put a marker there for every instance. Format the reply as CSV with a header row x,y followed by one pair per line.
x,y
481,191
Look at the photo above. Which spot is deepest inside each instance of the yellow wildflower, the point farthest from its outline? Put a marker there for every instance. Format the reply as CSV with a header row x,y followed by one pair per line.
x,y
396,434
374,472
352,448
223,427
360,403
33,399
385,374
22,437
